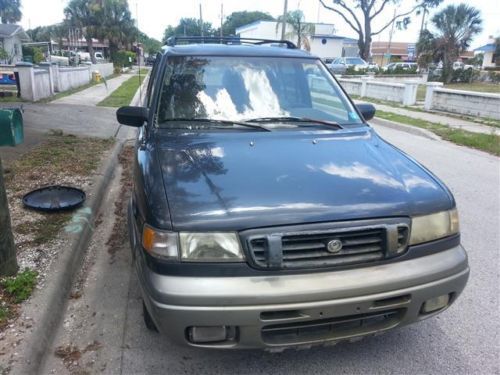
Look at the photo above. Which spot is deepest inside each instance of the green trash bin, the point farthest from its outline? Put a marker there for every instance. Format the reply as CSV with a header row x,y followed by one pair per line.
x,y
11,127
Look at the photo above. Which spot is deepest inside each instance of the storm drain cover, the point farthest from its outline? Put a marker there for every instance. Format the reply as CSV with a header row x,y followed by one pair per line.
x,y
54,198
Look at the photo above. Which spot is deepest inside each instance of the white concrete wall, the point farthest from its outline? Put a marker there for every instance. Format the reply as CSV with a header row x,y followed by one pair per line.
x,y
106,69
393,92
42,84
352,86
488,60
70,78
405,93
465,102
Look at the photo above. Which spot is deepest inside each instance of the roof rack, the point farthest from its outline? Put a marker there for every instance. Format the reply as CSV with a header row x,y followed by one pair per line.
x,y
176,40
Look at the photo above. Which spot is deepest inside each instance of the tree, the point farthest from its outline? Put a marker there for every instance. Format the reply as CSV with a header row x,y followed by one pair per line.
x,y
10,11
188,27
238,19
8,260
455,26
361,14
117,25
84,16
151,45
300,29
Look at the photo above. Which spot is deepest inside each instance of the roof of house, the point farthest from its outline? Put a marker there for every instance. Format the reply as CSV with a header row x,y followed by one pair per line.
x,y
486,48
9,30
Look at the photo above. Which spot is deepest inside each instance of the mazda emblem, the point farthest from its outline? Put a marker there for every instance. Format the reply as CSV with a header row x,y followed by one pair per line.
x,y
334,246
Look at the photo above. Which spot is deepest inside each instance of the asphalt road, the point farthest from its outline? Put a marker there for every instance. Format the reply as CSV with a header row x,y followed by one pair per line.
x,y
464,339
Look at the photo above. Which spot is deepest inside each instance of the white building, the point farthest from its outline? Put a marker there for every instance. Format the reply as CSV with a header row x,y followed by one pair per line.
x,y
324,43
488,51
11,38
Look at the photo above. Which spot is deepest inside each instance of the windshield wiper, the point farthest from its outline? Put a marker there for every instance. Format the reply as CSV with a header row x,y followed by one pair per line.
x,y
294,119
221,122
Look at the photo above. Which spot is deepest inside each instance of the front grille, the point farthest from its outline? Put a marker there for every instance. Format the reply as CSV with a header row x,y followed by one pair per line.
x,y
330,329
328,248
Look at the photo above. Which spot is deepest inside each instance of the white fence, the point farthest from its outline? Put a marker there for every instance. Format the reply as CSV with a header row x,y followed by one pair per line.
x,y
462,102
105,69
45,81
405,93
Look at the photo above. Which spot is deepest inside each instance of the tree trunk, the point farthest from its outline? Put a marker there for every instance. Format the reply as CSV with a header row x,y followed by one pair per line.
x,y
362,46
8,260
90,45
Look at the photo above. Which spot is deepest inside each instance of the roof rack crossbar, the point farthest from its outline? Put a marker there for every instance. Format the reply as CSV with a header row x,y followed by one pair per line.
x,y
175,40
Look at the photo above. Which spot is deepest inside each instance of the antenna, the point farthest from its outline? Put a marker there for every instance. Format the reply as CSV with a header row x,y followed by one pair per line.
x,y
139,50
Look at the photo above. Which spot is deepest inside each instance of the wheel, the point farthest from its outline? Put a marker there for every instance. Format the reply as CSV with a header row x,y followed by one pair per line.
x,y
148,320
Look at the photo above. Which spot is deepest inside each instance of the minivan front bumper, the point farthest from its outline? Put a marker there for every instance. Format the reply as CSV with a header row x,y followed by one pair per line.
x,y
276,312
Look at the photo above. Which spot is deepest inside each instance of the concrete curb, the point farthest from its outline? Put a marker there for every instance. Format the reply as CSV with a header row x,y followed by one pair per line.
x,y
67,268
405,128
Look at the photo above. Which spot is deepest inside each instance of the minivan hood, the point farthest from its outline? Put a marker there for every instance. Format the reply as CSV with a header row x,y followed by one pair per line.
x,y
246,179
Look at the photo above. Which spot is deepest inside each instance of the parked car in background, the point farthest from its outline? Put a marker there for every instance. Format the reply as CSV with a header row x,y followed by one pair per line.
x,y
99,56
267,213
341,64
401,66
373,67
150,60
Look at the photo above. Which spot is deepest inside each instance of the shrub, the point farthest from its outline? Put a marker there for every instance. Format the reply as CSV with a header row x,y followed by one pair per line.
x,y
123,58
35,53
351,70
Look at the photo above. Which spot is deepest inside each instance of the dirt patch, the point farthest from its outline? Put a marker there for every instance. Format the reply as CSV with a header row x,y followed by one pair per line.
x,y
71,356
59,159
116,240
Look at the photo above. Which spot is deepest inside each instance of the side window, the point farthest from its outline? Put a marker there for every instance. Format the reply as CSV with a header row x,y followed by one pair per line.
x,y
324,97
152,80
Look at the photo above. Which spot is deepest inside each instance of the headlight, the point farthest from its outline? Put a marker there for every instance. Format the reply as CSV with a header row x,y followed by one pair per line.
x,y
210,247
161,244
432,227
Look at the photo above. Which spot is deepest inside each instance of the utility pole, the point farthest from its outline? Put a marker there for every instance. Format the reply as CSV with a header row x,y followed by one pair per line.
x,y
283,22
221,18
201,22
8,260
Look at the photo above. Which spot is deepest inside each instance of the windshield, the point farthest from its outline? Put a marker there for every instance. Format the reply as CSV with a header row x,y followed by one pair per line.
x,y
355,61
248,88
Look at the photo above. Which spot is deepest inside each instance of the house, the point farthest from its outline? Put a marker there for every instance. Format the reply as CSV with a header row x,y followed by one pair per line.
x,y
11,39
488,51
323,43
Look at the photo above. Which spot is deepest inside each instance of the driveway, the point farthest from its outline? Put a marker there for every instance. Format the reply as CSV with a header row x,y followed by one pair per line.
x,y
464,339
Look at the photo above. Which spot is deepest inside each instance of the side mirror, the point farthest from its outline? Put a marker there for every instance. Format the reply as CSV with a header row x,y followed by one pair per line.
x,y
367,110
132,116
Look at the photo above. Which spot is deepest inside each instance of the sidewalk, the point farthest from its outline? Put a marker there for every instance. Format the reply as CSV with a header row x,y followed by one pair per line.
x,y
94,94
453,122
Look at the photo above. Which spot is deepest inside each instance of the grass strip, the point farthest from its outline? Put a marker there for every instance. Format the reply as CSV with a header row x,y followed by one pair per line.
x,y
489,143
124,94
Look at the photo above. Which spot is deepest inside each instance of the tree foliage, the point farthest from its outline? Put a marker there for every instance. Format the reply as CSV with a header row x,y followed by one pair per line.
x,y
300,29
188,27
455,27
151,45
10,11
238,19
361,14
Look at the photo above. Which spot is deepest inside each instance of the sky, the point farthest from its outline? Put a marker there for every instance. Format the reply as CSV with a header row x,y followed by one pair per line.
x,y
155,15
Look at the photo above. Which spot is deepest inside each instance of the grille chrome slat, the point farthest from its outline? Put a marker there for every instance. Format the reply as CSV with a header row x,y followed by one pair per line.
x,y
309,249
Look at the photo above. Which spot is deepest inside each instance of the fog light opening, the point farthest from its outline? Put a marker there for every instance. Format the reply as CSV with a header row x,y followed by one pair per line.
x,y
435,304
211,334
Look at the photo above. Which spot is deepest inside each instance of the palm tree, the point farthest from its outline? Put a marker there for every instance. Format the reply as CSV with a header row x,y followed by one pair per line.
x,y
300,29
84,15
10,11
456,26
117,25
